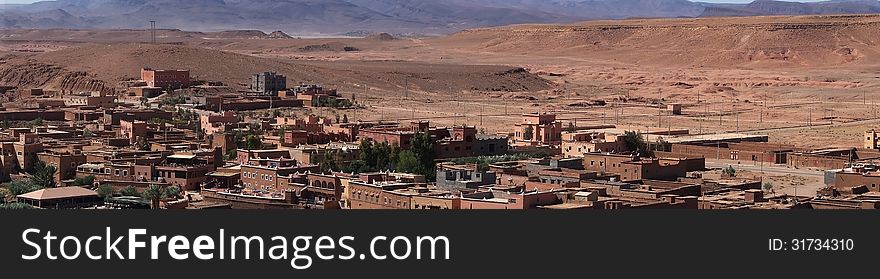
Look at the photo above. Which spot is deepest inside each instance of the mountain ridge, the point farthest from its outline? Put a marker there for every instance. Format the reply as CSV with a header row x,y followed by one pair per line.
x,y
393,16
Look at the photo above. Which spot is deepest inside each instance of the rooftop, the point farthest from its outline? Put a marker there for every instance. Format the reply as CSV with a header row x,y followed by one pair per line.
x,y
58,193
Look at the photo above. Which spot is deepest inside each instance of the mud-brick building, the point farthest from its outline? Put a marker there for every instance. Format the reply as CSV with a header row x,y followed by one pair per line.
x,y
165,78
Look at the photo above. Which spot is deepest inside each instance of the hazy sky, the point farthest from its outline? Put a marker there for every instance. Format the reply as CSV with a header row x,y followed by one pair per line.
x,y
710,1
749,1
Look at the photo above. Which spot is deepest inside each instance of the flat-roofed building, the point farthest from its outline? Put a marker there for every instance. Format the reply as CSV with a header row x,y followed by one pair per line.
x,y
538,129
65,163
96,99
451,176
165,78
268,83
872,139
845,180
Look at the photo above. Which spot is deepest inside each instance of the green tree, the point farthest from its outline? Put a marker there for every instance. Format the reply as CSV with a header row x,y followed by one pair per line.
x,y
729,171
344,118
142,144
172,192
88,180
231,154
408,162
383,153
636,143
367,156
329,162
19,187
44,175
356,166
254,129
130,191
254,142
154,194
36,122
15,205
768,187
423,148
105,191
528,133
377,157
633,140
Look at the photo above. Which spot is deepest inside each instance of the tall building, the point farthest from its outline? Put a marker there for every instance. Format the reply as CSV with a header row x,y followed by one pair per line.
x,y
26,148
165,78
268,82
871,139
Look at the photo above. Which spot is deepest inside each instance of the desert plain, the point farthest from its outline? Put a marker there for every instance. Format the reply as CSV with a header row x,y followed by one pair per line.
x,y
810,81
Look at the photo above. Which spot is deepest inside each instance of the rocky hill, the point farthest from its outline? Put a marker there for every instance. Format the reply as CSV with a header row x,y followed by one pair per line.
x,y
728,42
770,7
104,66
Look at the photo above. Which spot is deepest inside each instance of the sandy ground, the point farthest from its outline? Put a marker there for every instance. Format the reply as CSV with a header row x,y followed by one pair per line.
x,y
800,182
808,81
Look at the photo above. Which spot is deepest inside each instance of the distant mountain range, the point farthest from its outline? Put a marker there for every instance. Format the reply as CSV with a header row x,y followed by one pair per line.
x,y
305,17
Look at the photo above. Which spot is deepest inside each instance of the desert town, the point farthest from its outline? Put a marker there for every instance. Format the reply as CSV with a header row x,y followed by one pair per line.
x,y
278,145
511,117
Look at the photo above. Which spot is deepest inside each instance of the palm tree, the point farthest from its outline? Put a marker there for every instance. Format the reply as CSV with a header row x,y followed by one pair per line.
x,y
154,194
43,175
172,192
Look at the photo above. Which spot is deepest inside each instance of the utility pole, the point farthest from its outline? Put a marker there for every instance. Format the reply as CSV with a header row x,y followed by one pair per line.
x,y
762,111
831,111
660,109
762,163
153,31
604,110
